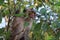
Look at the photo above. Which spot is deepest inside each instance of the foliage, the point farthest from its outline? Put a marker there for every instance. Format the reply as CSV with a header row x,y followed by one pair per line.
x,y
46,29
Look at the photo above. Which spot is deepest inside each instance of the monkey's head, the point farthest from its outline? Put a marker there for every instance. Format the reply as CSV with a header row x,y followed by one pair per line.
x,y
30,12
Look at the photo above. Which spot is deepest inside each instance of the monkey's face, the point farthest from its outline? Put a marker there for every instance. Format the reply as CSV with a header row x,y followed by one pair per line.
x,y
32,15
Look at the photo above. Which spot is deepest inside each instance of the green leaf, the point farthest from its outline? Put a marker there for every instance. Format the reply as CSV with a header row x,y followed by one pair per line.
x,y
5,12
43,11
37,27
19,15
1,2
57,4
8,33
1,31
0,17
31,6
25,2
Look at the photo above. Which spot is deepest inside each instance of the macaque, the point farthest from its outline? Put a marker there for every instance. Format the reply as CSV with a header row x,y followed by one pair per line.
x,y
18,31
31,14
